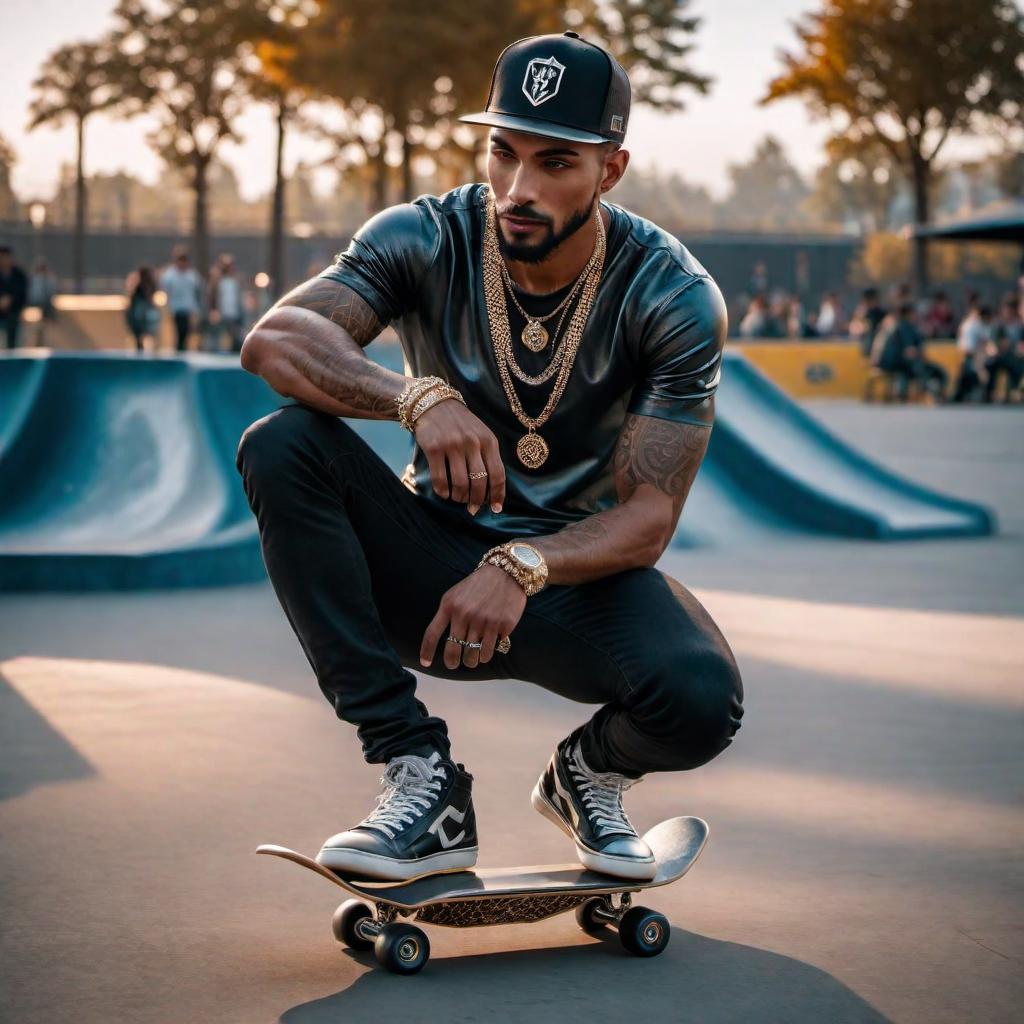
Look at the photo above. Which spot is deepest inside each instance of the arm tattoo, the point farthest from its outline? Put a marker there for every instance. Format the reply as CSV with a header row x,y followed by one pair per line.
x,y
352,381
339,304
663,453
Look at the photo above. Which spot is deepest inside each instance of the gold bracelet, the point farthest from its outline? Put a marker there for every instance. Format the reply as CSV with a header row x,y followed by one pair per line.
x,y
412,394
432,398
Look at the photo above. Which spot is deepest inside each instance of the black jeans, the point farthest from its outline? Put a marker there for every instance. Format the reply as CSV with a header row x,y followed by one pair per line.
x,y
360,564
182,328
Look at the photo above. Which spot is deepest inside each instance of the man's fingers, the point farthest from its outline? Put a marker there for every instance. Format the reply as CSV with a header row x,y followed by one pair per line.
x,y
438,473
471,655
459,475
490,641
434,633
452,650
477,482
495,475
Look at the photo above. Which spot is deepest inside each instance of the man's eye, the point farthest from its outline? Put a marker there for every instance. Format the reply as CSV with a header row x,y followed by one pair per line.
x,y
502,153
556,164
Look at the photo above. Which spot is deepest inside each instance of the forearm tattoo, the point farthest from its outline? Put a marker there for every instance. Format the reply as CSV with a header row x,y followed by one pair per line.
x,y
345,376
339,304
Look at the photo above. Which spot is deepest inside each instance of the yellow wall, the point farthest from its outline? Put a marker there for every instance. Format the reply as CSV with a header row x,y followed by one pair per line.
x,y
827,369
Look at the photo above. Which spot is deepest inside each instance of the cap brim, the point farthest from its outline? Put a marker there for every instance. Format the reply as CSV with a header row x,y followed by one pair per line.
x,y
532,126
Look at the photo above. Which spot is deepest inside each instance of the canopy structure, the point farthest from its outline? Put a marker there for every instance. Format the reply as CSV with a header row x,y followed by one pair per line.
x,y
1000,222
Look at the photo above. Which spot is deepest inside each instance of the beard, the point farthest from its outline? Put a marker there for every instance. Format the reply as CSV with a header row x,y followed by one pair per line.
x,y
537,252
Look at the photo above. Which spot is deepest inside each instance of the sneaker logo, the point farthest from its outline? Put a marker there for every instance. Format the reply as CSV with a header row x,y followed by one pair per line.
x,y
442,834
568,807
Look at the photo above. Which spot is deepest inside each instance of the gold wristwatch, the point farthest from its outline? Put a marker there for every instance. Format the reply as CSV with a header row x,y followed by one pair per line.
x,y
522,561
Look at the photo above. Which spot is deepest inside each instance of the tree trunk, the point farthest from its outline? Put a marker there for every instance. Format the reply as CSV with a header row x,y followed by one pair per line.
x,y
407,182
380,178
200,225
277,269
921,177
78,246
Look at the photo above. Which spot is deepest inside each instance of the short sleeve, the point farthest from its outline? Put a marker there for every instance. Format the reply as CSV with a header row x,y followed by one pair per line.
x,y
681,355
387,258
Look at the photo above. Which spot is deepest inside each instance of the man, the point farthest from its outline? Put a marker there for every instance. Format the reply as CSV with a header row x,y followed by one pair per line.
x,y
565,355
899,350
866,319
226,304
972,339
180,283
13,295
1004,350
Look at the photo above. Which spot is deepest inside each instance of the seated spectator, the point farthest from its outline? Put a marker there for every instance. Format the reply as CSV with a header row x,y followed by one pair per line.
x,y
830,320
940,320
899,349
972,340
1005,352
778,316
866,319
809,329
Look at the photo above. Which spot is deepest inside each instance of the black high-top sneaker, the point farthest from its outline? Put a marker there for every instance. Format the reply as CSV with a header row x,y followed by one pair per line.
x,y
587,806
423,824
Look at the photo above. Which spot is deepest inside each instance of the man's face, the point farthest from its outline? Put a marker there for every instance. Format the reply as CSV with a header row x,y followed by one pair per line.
x,y
545,189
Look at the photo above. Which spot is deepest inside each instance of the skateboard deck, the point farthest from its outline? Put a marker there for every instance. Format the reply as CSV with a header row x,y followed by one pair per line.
x,y
488,896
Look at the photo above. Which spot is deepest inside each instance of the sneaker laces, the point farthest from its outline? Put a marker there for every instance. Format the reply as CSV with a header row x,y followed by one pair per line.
x,y
601,793
411,787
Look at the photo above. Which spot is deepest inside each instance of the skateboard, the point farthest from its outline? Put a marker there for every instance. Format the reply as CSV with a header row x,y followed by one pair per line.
x,y
488,896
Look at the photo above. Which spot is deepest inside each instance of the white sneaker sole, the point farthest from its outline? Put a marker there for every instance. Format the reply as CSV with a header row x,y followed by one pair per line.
x,y
621,867
357,862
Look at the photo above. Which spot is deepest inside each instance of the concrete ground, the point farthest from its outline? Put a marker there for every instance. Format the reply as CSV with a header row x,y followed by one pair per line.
x,y
864,862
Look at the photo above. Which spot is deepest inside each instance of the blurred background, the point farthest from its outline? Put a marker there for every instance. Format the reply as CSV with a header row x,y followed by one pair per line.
x,y
851,172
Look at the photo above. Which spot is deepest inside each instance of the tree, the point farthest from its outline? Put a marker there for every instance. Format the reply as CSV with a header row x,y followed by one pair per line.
x,y
907,74
10,208
650,39
73,85
185,60
766,192
857,184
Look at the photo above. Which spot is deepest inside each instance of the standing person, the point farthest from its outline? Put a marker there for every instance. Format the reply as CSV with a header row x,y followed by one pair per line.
x,y
180,283
42,290
225,304
527,307
13,295
142,312
866,319
972,340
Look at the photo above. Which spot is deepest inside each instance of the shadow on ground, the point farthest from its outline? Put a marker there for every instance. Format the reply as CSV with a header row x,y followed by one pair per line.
x,y
696,978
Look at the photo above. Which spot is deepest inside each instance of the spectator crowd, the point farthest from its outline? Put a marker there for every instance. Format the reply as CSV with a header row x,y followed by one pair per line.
x,y
893,334
217,311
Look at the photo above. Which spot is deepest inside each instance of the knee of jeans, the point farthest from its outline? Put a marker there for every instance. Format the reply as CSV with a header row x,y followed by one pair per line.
x,y
269,442
692,708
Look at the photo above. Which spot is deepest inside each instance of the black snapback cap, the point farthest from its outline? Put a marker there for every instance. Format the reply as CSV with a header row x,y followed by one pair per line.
x,y
560,86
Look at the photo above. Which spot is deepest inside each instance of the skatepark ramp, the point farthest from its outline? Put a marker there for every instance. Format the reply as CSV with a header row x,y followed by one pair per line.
x,y
117,471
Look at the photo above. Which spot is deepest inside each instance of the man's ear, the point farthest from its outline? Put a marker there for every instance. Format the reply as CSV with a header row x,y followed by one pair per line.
x,y
615,163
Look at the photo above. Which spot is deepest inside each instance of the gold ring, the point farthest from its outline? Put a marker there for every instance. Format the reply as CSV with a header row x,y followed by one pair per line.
x,y
504,645
476,476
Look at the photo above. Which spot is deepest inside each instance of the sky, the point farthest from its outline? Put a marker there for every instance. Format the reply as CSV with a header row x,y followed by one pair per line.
x,y
737,44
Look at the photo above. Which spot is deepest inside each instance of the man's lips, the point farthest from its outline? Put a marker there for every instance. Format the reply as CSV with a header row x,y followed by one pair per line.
x,y
521,224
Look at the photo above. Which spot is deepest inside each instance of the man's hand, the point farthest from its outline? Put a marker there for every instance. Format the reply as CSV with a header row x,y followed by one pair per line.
x,y
449,432
486,606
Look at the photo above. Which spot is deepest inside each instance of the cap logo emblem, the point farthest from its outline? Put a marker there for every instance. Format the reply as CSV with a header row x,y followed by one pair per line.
x,y
543,77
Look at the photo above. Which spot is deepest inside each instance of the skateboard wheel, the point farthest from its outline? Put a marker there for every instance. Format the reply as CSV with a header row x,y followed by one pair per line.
x,y
644,932
402,948
586,918
346,918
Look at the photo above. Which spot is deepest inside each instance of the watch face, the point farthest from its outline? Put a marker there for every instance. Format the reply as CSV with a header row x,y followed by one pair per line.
x,y
526,555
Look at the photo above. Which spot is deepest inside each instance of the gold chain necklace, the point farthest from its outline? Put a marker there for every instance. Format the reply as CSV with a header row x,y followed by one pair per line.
x,y
535,335
556,357
531,448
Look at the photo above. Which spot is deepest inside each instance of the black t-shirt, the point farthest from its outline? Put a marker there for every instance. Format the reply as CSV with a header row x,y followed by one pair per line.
x,y
652,346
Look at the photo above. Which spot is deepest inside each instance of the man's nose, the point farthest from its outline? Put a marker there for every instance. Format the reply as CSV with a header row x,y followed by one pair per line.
x,y
522,191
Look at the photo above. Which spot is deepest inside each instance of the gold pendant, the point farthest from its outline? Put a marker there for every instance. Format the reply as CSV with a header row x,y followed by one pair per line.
x,y
532,450
535,336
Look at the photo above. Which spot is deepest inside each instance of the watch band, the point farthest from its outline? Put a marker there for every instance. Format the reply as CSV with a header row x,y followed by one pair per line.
x,y
533,579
